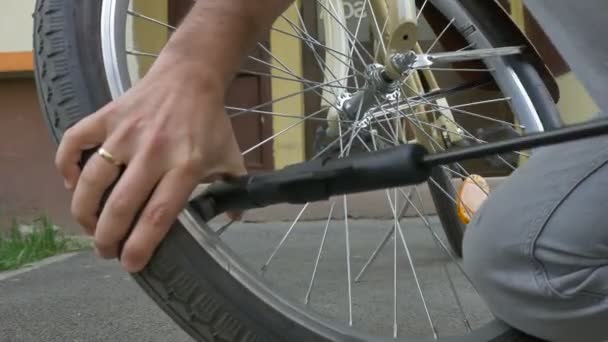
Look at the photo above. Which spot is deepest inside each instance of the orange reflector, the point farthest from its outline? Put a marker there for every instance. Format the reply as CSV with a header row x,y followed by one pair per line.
x,y
473,192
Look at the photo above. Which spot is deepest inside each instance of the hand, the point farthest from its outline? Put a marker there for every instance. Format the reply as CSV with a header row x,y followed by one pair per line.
x,y
170,131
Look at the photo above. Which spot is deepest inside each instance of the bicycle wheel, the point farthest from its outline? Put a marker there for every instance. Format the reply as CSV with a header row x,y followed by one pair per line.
x,y
195,276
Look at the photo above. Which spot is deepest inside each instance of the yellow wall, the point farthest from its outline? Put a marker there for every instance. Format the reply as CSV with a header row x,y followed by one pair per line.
x,y
575,104
16,25
289,148
150,37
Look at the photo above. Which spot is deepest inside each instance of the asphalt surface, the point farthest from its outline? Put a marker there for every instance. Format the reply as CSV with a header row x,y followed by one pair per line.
x,y
86,299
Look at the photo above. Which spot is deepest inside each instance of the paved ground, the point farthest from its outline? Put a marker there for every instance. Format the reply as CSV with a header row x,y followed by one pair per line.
x,y
85,299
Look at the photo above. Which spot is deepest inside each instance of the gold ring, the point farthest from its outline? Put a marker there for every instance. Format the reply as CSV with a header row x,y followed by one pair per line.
x,y
108,157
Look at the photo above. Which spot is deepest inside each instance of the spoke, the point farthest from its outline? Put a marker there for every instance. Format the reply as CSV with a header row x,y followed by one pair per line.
x,y
471,136
152,20
307,82
466,47
458,110
384,113
347,237
458,164
477,103
241,110
283,131
142,54
363,142
421,9
423,217
446,250
278,60
292,74
378,136
396,222
448,169
467,55
375,253
413,268
287,234
440,36
353,40
442,129
338,139
287,71
468,136
450,197
318,58
421,128
318,259
390,231
443,93
456,69
224,228
313,41
355,132
380,32
282,98
377,50
466,323
352,49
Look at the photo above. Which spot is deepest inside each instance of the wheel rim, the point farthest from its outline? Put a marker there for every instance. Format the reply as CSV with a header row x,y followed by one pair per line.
x,y
115,50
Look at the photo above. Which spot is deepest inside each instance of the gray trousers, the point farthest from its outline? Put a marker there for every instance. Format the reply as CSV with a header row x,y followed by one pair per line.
x,y
537,251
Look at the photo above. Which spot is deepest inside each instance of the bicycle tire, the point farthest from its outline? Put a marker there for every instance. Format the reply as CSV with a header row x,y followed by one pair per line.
x,y
213,305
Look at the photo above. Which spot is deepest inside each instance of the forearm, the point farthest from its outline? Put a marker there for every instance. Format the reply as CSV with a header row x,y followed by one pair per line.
x,y
214,38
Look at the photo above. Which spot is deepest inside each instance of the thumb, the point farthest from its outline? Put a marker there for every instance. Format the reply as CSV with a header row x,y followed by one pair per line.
x,y
229,172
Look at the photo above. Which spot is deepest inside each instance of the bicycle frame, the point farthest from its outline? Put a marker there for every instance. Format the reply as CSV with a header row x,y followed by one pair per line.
x,y
399,34
401,21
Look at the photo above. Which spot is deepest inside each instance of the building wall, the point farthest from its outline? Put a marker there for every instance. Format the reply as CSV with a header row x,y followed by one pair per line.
x,y
30,185
289,148
575,104
16,25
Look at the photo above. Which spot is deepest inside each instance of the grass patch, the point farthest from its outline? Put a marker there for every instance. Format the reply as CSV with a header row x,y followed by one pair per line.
x,y
42,240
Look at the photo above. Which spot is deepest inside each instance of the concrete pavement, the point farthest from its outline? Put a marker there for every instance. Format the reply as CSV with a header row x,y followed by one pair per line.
x,y
82,298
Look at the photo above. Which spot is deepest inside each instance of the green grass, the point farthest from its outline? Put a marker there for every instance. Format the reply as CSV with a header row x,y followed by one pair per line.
x,y
18,249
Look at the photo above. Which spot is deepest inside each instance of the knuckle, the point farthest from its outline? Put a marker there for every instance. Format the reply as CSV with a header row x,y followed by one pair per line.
x,y
60,162
106,249
193,167
157,215
135,256
130,127
87,178
70,135
120,207
157,142
82,218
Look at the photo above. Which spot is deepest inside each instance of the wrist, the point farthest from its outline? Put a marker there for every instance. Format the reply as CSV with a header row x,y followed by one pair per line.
x,y
181,71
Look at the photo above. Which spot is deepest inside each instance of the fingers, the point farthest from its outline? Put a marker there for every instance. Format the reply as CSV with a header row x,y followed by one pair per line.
x,y
87,134
127,198
168,199
97,176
